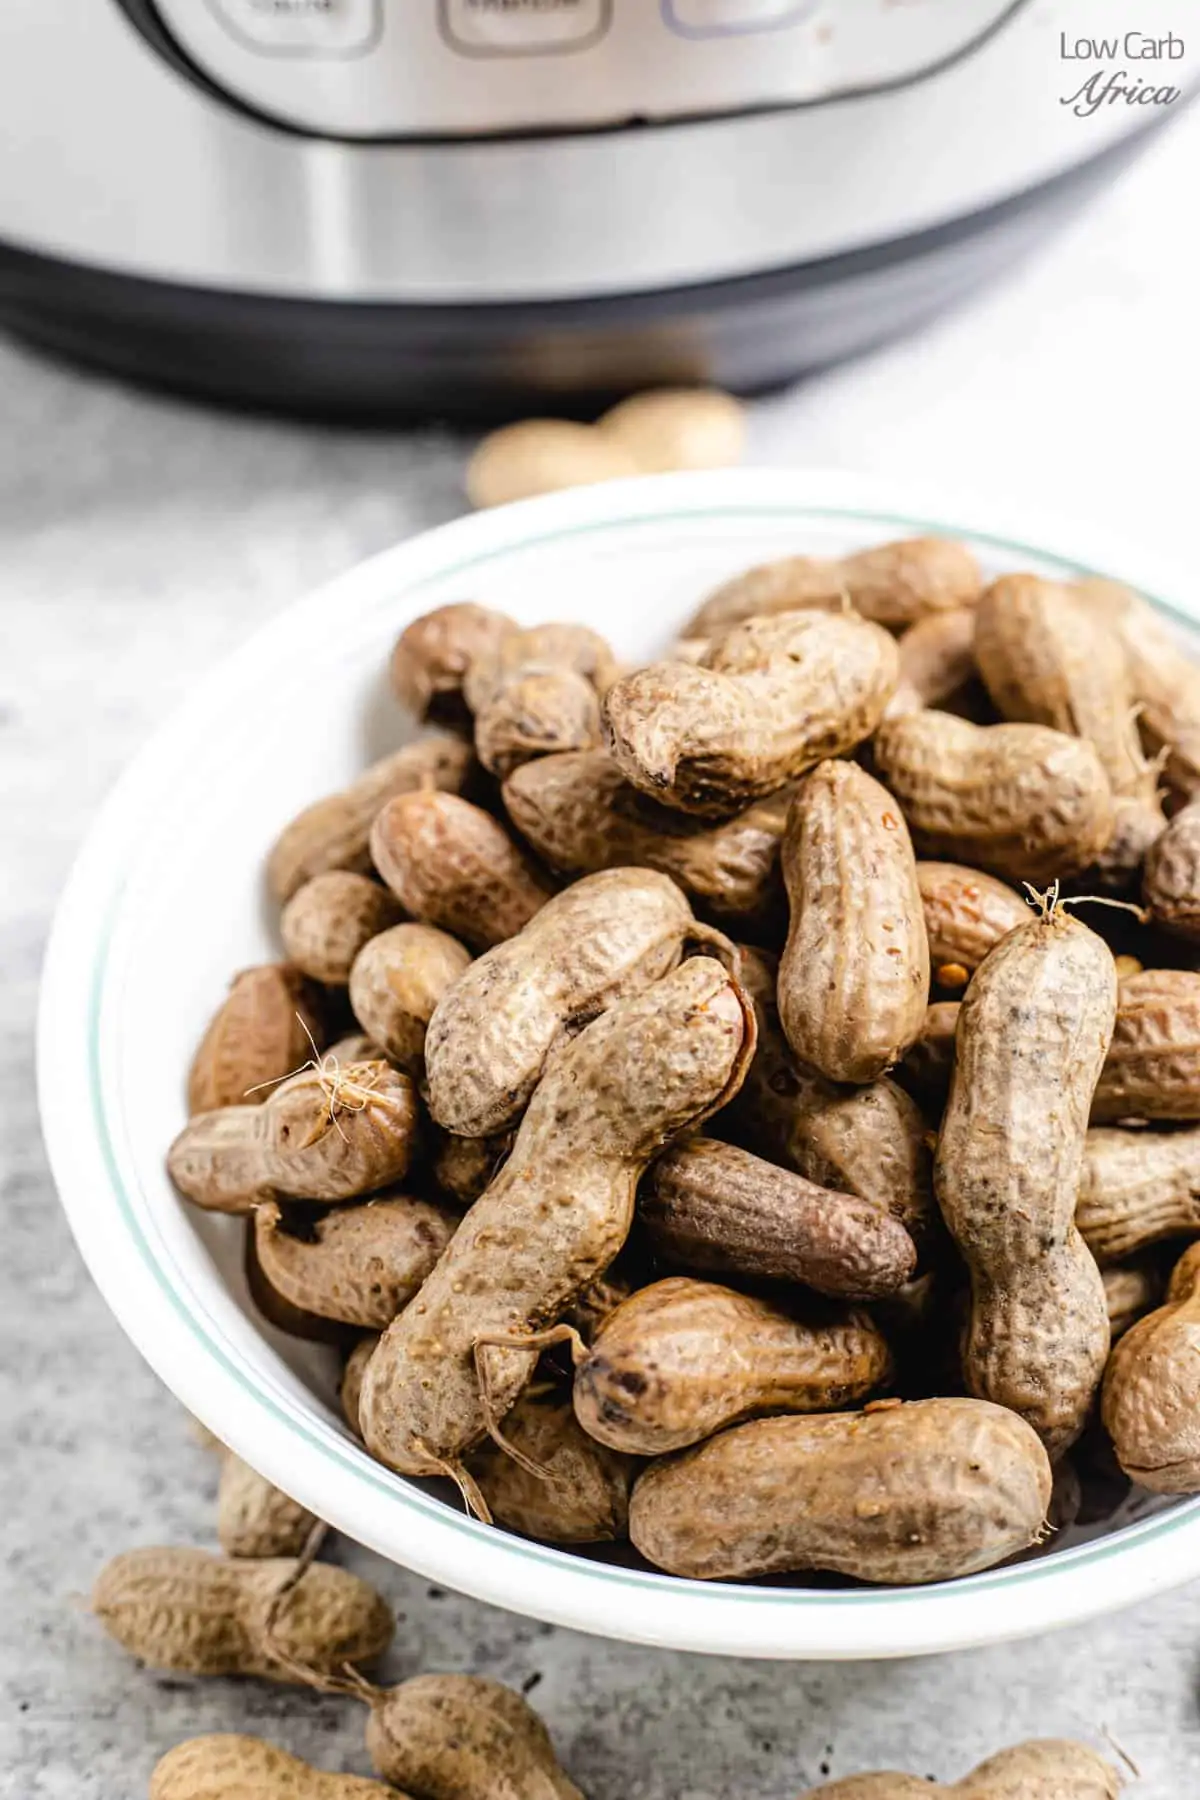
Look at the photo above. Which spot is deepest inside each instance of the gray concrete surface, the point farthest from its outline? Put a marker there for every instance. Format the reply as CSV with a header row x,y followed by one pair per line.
x,y
141,539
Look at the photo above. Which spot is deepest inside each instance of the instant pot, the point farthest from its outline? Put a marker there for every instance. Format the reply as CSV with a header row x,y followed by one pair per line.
x,y
435,205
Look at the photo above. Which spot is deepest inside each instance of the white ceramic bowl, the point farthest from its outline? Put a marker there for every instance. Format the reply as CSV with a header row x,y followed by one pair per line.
x,y
165,901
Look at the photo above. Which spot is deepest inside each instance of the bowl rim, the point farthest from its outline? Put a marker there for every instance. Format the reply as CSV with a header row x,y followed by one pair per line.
x,y
326,1469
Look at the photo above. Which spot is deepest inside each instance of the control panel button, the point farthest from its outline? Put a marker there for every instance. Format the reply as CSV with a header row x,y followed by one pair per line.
x,y
523,27
302,27
733,18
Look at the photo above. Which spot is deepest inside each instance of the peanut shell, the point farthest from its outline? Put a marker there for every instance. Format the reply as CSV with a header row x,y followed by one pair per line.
x,y
452,865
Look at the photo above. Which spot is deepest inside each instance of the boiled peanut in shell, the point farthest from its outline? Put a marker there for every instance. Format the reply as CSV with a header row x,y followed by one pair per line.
x,y
452,865
715,1209
1171,883
1044,1769
655,1064
432,656
459,1737
229,1766
264,1030
682,1358
198,1614
1153,1065
1033,1032
1023,801
770,700
1151,1403
893,584
1138,1187
580,1493
854,974
918,1491
360,1263
395,985
608,935
326,922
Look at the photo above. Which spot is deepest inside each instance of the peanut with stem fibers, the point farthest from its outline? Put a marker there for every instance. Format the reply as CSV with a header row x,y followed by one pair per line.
x,y
655,1064
229,1766
459,1737
580,1491
266,1027
1151,1405
909,1492
715,1209
1153,1066
854,974
535,692
452,865
395,985
1138,1188
771,699
1165,682
966,912
321,1135
361,1264
892,584
1023,801
1033,1032
326,923
682,1359
609,935
334,833
868,1141
431,658
580,815
1047,659
937,662
1044,1769
1171,882
200,1615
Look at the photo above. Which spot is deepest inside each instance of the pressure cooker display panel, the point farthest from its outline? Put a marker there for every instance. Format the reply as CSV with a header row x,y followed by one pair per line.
x,y
422,68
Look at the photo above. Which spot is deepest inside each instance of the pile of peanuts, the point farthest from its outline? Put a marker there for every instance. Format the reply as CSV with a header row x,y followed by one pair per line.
x,y
692,1102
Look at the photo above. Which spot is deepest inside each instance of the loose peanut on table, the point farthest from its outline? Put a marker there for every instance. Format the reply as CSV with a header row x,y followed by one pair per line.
x,y
1044,1769
459,1737
1033,1032
922,1491
851,881
229,1766
255,1518
678,428
681,1359
541,456
716,1209
454,866
770,700
266,1028
653,1065
201,1615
